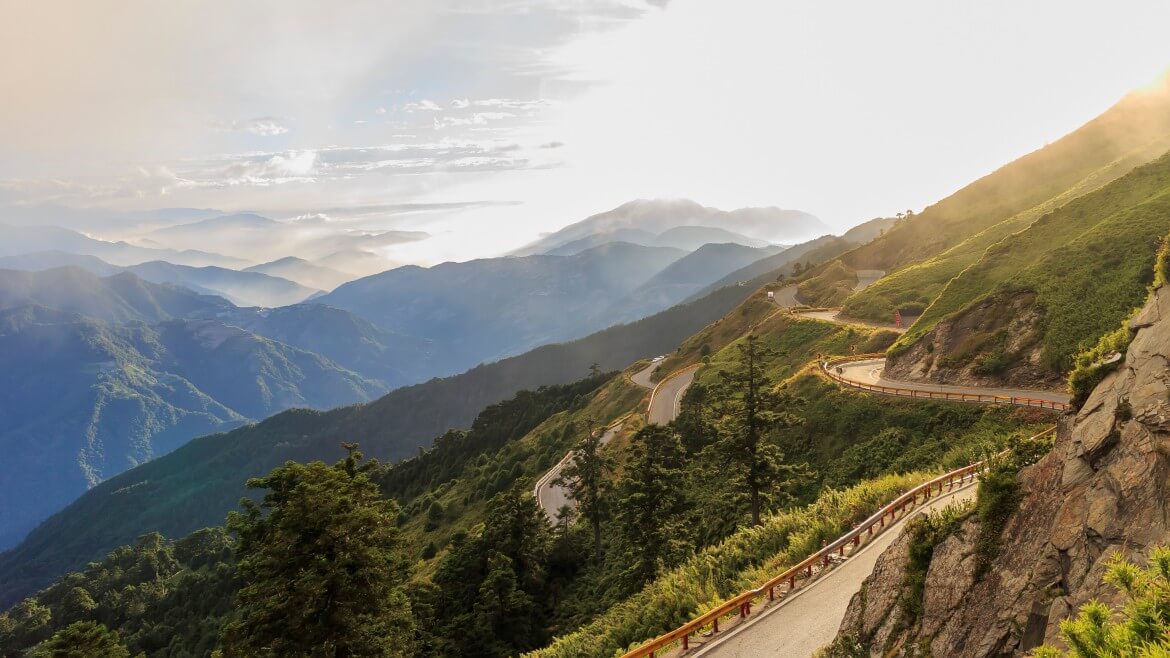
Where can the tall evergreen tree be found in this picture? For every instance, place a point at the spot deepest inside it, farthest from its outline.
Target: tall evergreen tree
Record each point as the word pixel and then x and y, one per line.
pixel 83 639
pixel 321 566
pixel 652 504
pixel 585 477
pixel 749 406
pixel 491 583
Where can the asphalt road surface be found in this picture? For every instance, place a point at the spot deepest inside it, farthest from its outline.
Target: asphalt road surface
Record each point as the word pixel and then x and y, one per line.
pixel 668 397
pixel 871 372
pixel 832 316
pixel 809 619
pixel 552 497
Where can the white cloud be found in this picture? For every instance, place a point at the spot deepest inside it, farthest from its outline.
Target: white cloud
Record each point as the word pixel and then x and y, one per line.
pixel 311 218
pixel 425 105
pixel 260 126
pixel 477 119
pixel 266 127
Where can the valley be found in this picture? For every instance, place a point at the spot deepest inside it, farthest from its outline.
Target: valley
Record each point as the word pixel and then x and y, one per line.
pixel 386 380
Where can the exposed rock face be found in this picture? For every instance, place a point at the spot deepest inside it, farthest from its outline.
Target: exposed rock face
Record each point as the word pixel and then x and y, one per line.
pixel 993 343
pixel 1104 488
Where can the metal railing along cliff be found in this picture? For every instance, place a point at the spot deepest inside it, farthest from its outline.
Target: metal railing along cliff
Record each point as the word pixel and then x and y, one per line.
pixel 802 573
pixel 829 368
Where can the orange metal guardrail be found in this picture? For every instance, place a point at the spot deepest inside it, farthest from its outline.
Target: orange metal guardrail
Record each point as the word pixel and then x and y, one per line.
pixel 828 368
pixel 801 574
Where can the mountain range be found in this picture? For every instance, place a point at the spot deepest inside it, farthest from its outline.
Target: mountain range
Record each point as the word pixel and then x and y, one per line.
pixel 680 221
pixel 243 288
pixel 175 359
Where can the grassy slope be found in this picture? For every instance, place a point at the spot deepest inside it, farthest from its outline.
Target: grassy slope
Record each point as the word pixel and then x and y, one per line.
pixel 913 288
pixel 526 459
pixel 718 334
pixel 1134 131
pixel 829 286
pixel 1088 261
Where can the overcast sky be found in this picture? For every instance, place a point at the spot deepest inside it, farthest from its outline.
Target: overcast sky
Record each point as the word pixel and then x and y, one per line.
pixel 488 122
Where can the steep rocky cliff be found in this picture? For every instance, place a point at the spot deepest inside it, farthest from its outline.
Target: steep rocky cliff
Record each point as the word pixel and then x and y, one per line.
pixel 1104 488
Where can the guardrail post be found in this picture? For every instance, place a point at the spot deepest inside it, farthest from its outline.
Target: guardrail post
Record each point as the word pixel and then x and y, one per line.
pixel 771 593
pixel 715 625
pixel 686 642
pixel 792 582
pixel 857 538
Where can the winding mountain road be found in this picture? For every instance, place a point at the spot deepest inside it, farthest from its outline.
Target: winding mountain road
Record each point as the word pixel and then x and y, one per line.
pixel 871 372
pixel 663 408
pixel 666 400
pixel 809 619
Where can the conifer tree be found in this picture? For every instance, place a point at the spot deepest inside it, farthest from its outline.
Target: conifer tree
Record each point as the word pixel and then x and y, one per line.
pixel 585 478
pixel 321 567
pixel 83 639
pixel 748 406
pixel 652 505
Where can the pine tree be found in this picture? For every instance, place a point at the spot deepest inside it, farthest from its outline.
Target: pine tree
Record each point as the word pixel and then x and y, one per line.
pixel 321 566
pixel 748 407
pixel 491 582
pixel 83 639
pixel 652 505
pixel 585 478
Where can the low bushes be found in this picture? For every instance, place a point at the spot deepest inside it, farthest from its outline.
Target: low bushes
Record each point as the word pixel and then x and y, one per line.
pixel 744 560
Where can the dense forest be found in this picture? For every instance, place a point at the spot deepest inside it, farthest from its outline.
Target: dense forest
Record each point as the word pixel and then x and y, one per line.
pixel 408 576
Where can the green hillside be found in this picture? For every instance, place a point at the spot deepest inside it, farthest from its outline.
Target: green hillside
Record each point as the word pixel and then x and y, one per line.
pixel 924 251
pixel 1136 129
pixel 1084 267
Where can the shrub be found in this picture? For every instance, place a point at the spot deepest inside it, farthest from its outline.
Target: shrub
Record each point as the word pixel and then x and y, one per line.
pixel 1091 367
pixel 1142 629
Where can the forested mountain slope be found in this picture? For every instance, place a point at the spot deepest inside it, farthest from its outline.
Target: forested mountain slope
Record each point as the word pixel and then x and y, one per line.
pixel 483 310
pixel 84 400
pixel 187 485
pixel 118 298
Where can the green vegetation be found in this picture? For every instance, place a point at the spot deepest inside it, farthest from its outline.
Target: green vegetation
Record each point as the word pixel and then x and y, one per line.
pixel 1088 263
pixel 1092 365
pixel 1138 629
pixel 164 598
pixel 83 639
pixel 585 478
pixel 717 335
pixel 746 406
pixel 320 566
pixel 742 561
pixel 652 503
pixel 830 286
pixel 998 496
pixel 912 289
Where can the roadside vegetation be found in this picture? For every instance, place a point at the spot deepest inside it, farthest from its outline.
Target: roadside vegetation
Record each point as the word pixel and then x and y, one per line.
pixel 1138 628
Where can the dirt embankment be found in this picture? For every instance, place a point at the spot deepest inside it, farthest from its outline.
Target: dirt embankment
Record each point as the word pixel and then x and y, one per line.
pixel 995 343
